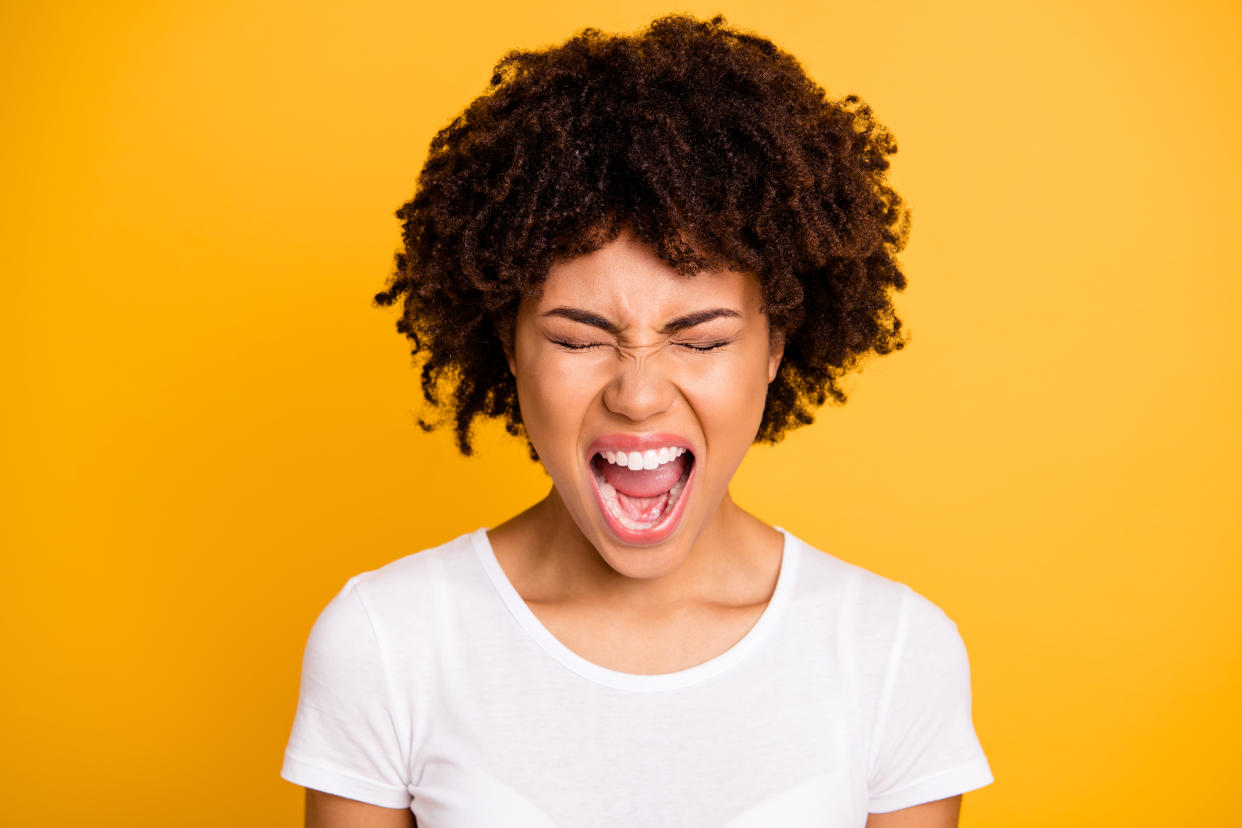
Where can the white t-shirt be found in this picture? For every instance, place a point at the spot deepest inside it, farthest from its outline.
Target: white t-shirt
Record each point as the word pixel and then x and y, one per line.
pixel 429 684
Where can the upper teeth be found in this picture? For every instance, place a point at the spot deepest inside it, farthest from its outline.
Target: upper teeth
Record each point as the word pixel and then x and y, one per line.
pixel 649 459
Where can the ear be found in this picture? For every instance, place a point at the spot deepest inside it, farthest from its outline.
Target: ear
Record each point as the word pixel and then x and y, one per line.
pixel 776 351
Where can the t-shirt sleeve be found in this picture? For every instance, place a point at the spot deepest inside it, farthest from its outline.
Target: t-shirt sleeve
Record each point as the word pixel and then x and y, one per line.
pixel 925 747
pixel 345 739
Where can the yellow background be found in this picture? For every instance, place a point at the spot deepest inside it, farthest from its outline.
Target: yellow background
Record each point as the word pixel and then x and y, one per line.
pixel 207 428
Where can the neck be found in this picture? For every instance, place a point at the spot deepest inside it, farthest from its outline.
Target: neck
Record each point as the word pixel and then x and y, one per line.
pixel 548 558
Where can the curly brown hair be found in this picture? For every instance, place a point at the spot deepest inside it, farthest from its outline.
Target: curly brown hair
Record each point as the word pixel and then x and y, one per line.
pixel 708 143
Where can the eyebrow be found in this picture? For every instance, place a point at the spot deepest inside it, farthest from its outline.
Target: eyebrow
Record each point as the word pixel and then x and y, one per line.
pixel 688 320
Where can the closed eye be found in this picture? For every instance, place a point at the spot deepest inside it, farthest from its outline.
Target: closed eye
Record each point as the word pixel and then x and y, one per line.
pixel 704 348
pixel 574 346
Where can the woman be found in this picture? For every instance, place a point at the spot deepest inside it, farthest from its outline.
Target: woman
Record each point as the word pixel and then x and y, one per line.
pixel 643 254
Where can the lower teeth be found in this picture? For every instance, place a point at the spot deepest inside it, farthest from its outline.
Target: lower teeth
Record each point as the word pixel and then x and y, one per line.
pixel 614 505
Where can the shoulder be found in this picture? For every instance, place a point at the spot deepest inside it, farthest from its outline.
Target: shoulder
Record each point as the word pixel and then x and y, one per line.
pixel 871 597
pixel 419 577
pixel 411 591
pixel 880 618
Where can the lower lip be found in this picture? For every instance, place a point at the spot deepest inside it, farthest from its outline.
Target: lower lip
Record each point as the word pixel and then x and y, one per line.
pixel 657 533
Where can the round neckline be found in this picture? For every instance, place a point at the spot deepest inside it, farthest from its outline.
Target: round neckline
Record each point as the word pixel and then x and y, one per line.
pixel 641 682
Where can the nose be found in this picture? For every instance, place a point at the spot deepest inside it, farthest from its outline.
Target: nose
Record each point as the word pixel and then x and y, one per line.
pixel 638 390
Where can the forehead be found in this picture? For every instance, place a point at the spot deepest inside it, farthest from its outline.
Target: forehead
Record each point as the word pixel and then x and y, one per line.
pixel 627 279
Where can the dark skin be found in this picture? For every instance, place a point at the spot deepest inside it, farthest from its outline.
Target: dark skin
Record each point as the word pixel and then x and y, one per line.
pixel 711 145
pixel 325 810
pixel 613 343
pixel 532 175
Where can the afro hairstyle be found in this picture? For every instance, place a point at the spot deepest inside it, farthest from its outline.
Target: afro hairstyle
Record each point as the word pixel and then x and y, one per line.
pixel 709 144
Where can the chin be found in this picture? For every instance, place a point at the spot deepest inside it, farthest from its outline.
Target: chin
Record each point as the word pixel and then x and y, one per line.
pixel 645 563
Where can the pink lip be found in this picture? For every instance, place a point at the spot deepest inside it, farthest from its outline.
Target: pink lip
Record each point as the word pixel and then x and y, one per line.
pixel 641 442
pixel 635 442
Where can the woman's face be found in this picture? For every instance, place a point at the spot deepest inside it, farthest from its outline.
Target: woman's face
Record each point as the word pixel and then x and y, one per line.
pixel 641 390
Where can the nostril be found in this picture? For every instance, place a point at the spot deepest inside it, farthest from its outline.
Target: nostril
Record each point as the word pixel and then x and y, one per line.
pixel 638 394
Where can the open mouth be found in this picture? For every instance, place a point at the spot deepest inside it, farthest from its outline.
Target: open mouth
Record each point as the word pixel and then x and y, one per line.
pixel 641 492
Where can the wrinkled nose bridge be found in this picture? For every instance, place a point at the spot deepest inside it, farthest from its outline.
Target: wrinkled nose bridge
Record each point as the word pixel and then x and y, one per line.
pixel 640 355
pixel 639 387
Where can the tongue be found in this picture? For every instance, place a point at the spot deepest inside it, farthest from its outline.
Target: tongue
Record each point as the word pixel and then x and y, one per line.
pixel 643 482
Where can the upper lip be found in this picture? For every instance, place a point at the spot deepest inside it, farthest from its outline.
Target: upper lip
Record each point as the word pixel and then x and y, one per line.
pixel 636 442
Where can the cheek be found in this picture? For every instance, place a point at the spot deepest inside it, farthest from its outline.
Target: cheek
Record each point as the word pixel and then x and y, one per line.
pixel 730 403
pixel 749 399
pixel 553 399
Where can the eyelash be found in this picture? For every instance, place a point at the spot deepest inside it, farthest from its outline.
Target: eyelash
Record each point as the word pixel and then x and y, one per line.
pixel 574 346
